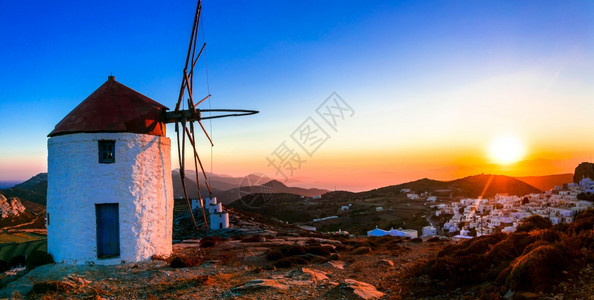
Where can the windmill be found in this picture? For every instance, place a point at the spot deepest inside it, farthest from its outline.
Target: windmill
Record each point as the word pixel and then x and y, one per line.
pixel 184 119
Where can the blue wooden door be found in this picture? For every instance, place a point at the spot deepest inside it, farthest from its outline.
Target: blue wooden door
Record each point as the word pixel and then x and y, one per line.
pixel 108 230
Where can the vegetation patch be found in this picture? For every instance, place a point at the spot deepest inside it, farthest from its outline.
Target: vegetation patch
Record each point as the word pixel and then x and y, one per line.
pixel 53 286
pixel 290 262
pixel 211 241
pixel 38 258
pixel 529 260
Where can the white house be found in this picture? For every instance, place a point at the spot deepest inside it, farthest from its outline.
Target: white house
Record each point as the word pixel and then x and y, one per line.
pixel 429 231
pixel 431 198
pixel 464 232
pixel 413 233
pixel 219 220
pixel 109 195
pixel 377 232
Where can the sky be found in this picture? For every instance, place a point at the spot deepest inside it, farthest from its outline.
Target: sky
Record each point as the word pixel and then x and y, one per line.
pixel 352 95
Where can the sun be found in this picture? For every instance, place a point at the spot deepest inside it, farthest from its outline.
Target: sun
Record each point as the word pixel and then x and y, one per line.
pixel 506 149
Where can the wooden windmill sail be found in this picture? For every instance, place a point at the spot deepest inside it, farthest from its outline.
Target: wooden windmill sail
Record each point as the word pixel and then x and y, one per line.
pixel 184 119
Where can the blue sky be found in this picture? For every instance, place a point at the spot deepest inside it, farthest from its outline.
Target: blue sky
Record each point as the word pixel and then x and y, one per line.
pixel 420 75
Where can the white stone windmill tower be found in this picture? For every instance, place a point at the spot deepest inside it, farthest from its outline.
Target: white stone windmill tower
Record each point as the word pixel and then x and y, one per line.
pixel 110 192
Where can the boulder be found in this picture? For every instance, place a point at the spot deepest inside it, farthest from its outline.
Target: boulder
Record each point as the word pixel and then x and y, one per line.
pixel 260 284
pixel 336 264
pixel 310 274
pixel 353 289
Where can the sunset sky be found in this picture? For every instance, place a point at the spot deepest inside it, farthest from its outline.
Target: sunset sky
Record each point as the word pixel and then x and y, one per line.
pixel 428 85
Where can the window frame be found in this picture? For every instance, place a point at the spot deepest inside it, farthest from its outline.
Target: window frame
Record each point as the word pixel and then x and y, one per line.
pixel 101 144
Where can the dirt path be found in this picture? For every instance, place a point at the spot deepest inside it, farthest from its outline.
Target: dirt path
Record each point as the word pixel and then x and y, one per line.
pixel 21 225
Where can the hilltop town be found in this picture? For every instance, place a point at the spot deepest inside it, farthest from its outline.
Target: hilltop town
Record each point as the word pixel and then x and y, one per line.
pixel 503 213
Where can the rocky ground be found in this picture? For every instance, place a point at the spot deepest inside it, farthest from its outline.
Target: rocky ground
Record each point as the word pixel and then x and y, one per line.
pixel 230 269
pixel 264 259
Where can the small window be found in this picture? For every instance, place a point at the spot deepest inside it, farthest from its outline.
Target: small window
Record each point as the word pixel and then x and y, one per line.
pixel 106 152
pixel 48 219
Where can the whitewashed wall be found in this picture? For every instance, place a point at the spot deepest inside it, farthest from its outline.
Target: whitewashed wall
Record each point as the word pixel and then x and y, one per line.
pixel 219 220
pixel 139 180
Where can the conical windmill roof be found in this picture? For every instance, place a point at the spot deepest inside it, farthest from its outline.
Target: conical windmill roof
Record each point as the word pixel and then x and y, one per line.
pixel 114 107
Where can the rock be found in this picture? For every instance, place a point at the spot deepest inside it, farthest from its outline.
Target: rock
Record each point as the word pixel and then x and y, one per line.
pixel 386 262
pixel 336 264
pixel 10 207
pixel 314 275
pixel 584 169
pixel 362 250
pixel 260 284
pixel 526 295
pixel 353 289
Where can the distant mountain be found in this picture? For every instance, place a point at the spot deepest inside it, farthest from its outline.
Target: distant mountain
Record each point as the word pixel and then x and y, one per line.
pixel 471 186
pixel 272 186
pixel 32 193
pixel 8 184
pixel 279 187
pixel 584 169
pixel 228 189
pixel 547 182
pixel 220 182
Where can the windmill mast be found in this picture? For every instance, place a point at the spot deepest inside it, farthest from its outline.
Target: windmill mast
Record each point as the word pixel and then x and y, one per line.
pixel 184 118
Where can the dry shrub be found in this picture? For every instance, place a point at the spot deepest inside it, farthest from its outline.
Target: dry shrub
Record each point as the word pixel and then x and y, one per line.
pixel 533 246
pixel 211 241
pixel 285 251
pixel 334 256
pixel 312 242
pixel 292 250
pixel 469 269
pixel 290 262
pixel 586 239
pixel 434 240
pixel 382 243
pixel 325 251
pixel 584 221
pixel 252 239
pixel 178 262
pixel 17 261
pixel 534 222
pixel 274 254
pixel 340 248
pixel 537 270
pixel 38 258
pixel 547 235
pixel 510 248
pixel 416 240
pixel 369 242
pixel 3 266
pixel 362 250
pixel 383 240
pixel 478 245
pixel 53 286
pixel 184 261
pixel 573 244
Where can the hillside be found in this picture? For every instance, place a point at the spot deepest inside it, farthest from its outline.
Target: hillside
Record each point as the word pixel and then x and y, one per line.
pixel 471 186
pixel 384 207
pixel 33 190
pixel 547 182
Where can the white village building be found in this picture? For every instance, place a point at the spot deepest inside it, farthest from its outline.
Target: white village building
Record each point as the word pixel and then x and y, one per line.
pixel 110 195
